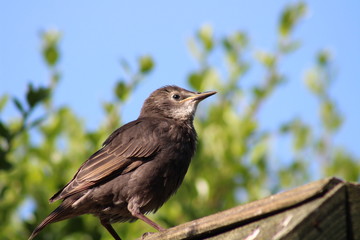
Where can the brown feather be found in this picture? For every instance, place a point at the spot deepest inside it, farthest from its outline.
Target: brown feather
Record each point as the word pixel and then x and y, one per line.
pixel 115 158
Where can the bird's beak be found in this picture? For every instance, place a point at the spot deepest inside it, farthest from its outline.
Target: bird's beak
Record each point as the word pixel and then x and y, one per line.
pixel 199 96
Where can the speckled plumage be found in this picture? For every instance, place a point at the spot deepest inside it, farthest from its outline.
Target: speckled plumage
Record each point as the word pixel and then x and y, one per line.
pixel 139 167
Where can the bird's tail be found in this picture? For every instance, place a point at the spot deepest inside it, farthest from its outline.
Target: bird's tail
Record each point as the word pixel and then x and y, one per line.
pixel 60 213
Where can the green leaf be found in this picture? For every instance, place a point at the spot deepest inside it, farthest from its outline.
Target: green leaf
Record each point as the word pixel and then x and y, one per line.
pixel 122 91
pixel 205 78
pixel 205 35
pixel 241 39
pixel 236 42
pixel 146 64
pixel 267 59
pixel 50 47
pixel 313 83
pixel 323 57
pixel 227 44
pixel 19 106
pixel 36 95
pixel 4 162
pixel 259 151
pixel 37 121
pixel 344 165
pixel 290 16
pixel 4 131
pixel 301 137
pixel 330 117
pixel 51 55
pixel 196 80
pixel 3 101
pixel 285 128
pixel 301 133
pixel 259 92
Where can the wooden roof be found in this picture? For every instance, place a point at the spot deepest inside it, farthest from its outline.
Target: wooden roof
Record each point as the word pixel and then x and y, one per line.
pixel 326 209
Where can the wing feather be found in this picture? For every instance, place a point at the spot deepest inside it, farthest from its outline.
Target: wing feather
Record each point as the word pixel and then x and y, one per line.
pixel 125 150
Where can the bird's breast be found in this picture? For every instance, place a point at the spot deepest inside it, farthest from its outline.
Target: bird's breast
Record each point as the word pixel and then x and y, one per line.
pixel 158 179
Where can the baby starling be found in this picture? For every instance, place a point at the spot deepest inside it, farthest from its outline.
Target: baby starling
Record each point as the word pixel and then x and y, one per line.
pixel 139 167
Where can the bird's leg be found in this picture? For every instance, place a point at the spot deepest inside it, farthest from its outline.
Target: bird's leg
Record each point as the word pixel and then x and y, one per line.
pixel 110 229
pixel 135 211
pixel 148 221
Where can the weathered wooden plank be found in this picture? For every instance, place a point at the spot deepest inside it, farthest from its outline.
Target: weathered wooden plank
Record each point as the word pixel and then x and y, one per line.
pixel 325 219
pixel 299 222
pixel 247 213
pixel 353 194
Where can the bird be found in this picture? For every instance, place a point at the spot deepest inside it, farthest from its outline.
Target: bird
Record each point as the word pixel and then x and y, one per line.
pixel 139 166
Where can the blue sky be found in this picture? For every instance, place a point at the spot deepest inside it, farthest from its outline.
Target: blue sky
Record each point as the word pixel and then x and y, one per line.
pixel 96 36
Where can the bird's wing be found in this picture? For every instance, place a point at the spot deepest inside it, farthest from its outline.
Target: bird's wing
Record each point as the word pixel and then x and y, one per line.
pixel 125 150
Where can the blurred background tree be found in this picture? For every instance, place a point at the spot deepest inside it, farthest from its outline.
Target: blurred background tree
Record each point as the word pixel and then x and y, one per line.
pixel 237 159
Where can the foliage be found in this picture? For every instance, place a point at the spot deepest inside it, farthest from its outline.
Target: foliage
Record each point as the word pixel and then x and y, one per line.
pixel 235 161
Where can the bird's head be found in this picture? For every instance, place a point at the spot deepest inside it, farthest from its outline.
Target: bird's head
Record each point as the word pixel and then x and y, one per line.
pixel 173 102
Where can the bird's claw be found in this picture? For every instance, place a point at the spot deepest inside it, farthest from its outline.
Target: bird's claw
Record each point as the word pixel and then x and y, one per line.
pixel 146 234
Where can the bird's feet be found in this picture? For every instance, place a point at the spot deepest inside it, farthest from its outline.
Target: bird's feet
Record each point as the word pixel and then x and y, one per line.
pixel 146 234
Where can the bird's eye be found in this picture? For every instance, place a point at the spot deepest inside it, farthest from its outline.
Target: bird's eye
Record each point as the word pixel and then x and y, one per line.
pixel 176 96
